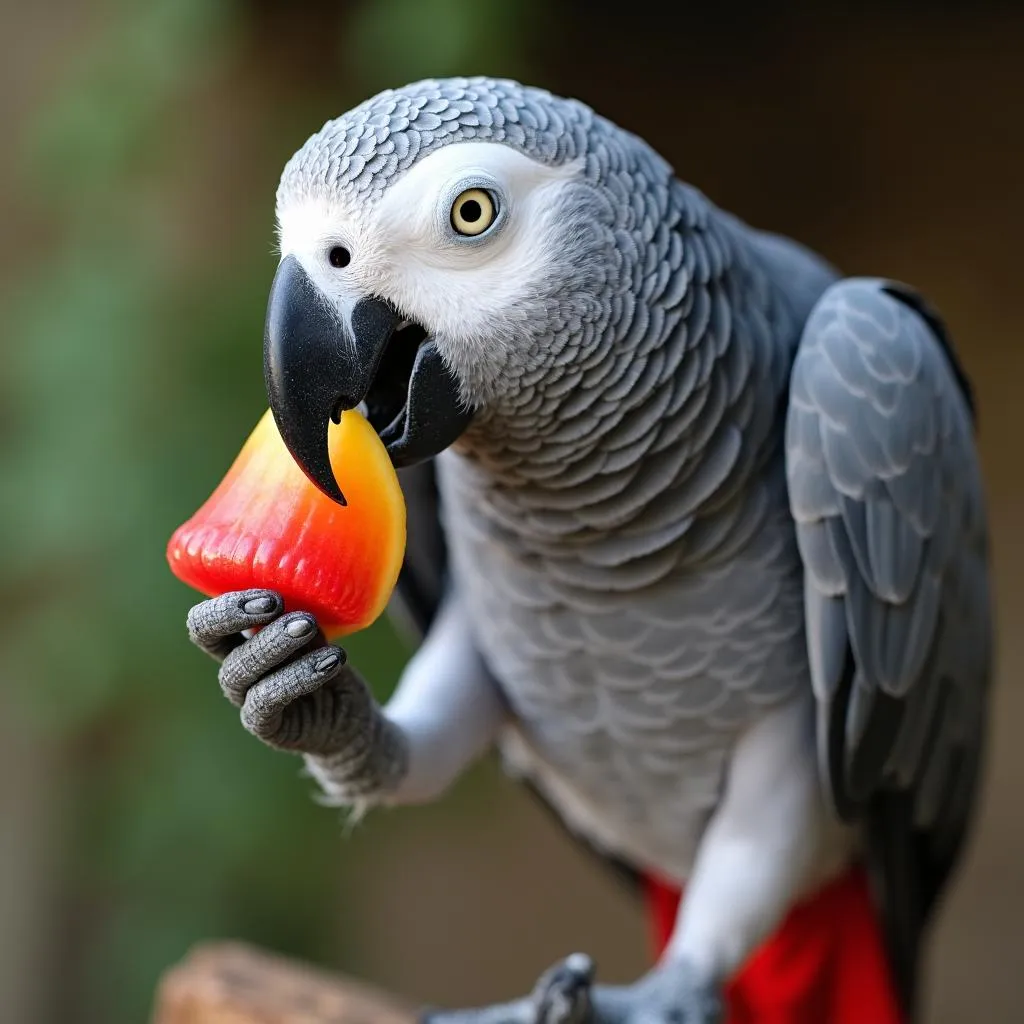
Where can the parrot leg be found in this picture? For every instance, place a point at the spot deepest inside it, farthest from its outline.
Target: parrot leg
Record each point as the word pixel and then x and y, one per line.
pixel 769 841
pixel 296 693
pixel 446 709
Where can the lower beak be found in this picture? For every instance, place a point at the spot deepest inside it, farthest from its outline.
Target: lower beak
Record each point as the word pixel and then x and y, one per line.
pixel 315 367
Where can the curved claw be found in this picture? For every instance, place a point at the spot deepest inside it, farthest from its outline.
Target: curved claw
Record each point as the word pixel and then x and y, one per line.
pixel 673 993
pixel 562 995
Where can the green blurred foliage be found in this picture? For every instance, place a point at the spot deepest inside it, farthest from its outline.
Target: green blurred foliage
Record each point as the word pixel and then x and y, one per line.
pixel 136 376
pixel 432 38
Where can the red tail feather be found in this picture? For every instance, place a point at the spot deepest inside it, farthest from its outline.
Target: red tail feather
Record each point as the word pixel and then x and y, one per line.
pixel 826 962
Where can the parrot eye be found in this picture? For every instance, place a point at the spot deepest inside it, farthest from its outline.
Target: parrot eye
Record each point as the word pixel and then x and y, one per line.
pixel 473 212
pixel 339 257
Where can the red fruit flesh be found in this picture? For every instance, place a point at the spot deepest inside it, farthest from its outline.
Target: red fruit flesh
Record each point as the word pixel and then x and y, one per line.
pixel 267 526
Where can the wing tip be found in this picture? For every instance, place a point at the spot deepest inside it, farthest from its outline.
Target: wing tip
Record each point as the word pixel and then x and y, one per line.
pixel 916 301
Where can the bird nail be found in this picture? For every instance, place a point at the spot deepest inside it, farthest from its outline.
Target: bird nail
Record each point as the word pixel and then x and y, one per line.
pixel 299 627
pixel 259 606
pixel 325 664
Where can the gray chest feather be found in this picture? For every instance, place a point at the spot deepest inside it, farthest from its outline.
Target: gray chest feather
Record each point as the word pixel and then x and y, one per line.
pixel 630 696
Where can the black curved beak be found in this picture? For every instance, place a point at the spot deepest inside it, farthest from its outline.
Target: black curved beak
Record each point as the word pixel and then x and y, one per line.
pixel 315 366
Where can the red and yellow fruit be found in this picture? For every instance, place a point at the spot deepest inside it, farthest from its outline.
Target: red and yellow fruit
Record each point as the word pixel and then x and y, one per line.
pixel 267 526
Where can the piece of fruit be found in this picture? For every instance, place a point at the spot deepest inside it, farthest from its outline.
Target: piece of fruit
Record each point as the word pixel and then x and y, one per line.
pixel 266 525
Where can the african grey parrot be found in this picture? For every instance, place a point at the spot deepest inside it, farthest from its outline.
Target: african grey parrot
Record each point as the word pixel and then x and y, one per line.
pixel 697 534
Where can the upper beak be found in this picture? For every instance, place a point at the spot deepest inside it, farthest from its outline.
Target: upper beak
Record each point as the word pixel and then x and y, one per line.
pixel 315 366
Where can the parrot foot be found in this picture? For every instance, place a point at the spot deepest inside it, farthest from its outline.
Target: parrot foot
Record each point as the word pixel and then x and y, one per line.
pixel 297 693
pixel 674 993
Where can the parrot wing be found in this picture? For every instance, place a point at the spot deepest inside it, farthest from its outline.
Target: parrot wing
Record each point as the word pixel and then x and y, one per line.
pixel 885 487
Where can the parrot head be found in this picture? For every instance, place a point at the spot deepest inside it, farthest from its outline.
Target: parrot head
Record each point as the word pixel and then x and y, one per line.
pixel 447 249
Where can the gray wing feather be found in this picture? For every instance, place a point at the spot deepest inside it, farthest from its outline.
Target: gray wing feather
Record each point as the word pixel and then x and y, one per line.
pixel 886 491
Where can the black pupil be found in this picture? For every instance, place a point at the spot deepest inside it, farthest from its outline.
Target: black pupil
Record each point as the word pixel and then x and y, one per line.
pixel 340 256
pixel 471 211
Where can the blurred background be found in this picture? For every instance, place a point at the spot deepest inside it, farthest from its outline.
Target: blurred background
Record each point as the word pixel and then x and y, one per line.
pixel 142 142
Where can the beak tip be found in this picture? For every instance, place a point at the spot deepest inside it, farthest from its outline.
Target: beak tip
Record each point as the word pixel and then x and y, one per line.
pixel 307 444
pixel 326 484
pixel 321 475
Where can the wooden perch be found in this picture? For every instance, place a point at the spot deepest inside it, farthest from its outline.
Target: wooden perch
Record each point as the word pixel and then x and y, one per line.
pixel 231 983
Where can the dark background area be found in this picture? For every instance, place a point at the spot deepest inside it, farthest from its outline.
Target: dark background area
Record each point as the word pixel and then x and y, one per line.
pixel 142 146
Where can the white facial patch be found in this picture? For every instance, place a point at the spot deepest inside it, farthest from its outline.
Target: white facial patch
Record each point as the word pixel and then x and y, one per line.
pixel 464 290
